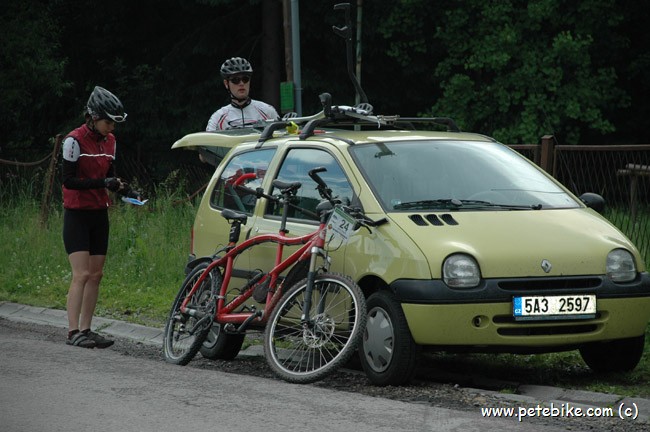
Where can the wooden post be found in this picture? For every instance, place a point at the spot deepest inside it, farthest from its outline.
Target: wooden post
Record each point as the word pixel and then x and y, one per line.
pixel 546 157
pixel 48 183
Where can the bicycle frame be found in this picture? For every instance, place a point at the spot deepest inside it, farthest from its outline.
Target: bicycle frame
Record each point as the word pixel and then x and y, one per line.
pixel 313 246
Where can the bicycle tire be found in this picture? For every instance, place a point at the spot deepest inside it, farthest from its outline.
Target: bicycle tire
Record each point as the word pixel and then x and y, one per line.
pixel 303 355
pixel 181 340
pixel 219 345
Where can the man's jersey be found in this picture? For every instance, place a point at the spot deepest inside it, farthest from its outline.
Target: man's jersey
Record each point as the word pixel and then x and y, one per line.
pixel 233 116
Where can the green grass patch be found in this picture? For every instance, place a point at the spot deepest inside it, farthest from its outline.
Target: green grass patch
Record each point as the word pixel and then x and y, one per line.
pixel 148 249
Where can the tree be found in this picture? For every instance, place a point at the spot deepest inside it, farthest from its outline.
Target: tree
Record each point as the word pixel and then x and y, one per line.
pixel 519 71
pixel 32 80
pixel 514 71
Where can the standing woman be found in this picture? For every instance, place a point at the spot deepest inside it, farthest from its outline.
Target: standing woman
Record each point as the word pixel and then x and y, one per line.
pixel 88 154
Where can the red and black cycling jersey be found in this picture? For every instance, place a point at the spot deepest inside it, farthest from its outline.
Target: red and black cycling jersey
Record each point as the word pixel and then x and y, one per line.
pixel 87 160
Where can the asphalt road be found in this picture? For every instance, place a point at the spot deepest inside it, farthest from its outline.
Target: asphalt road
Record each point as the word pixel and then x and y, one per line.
pixel 48 386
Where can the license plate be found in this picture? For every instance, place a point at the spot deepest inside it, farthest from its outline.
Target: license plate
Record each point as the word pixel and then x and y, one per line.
pixel 554 307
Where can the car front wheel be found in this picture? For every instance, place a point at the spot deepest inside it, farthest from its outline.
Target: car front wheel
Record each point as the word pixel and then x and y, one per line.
pixel 614 356
pixel 388 353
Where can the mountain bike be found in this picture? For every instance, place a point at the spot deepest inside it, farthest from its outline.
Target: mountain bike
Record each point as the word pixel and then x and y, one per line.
pixel 310 327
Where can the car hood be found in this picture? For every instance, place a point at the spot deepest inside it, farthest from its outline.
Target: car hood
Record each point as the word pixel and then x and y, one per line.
pixel 514 243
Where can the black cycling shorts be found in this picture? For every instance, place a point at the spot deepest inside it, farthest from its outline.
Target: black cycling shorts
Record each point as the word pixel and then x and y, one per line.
pixel 85 230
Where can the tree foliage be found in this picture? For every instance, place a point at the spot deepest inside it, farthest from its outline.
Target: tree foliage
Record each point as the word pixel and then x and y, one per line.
pixel 32 78
pixel 519 71
pixel 509 69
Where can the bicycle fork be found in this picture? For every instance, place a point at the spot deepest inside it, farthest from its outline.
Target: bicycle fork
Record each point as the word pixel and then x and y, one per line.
pixel 311 276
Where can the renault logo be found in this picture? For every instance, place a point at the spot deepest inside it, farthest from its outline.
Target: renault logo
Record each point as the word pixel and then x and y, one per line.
pixel 546 266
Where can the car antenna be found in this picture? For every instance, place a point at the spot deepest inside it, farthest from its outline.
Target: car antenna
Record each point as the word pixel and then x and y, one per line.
pixel 346 33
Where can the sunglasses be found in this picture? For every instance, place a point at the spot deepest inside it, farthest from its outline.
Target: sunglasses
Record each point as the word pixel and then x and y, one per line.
pixel 237 80
pixel 117 118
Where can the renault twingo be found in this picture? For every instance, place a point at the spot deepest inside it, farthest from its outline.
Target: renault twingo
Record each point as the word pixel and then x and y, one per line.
pixel 479 249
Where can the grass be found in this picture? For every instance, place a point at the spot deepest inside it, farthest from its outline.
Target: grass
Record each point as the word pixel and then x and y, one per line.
pixel 144 269
pixel 148 249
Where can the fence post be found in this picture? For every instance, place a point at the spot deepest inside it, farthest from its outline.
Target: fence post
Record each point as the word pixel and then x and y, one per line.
pixel 48 184
pixel 546 157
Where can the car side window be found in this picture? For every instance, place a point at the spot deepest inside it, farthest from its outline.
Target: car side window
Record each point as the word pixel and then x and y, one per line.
pixel 225 195
pixel 295 168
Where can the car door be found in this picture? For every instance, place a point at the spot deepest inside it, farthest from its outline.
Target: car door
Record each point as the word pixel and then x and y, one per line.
pixel 211 230
pixel 295 165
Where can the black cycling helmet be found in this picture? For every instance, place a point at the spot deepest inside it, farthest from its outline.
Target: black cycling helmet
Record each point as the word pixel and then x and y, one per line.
pixel 103 104
pixel 235 65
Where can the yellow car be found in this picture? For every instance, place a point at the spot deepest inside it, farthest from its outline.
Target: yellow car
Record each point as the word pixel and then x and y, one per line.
pixel 481 250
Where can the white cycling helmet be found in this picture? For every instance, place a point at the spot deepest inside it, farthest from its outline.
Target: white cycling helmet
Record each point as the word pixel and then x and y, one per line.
pixel 235 65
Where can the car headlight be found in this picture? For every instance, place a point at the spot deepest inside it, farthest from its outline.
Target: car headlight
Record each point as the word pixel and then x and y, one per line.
pixel 620 266
pixel 461 271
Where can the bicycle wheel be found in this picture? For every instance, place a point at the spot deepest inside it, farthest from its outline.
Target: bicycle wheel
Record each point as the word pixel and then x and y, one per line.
pixel 184 334
pixel 306 352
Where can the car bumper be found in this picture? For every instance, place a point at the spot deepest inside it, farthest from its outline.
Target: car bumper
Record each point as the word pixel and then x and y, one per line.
pixel 450 319
pixel 503 290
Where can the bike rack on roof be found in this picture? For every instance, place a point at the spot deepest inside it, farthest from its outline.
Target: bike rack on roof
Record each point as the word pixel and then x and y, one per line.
pixel 349 116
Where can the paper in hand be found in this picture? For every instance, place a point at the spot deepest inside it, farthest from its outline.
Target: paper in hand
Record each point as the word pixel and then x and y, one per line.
pixel 134 201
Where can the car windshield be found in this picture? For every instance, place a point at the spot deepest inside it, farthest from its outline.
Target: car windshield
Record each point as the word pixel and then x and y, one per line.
pixel 460 175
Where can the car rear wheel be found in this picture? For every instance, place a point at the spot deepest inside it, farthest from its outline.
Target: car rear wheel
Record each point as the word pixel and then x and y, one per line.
pixel 388 353
pixel 614 356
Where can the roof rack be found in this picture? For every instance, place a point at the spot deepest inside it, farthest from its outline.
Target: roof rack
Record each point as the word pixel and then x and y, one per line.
pixel 351 116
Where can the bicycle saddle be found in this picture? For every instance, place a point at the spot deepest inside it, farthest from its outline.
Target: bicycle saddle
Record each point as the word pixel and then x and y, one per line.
pixel 233 215
pixel 286 187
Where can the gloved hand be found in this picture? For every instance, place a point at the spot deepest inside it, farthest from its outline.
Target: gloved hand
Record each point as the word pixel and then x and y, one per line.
pixel 133 194
pixel 113 184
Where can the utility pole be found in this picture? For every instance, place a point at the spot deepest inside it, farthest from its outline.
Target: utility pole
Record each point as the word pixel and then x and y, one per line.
pixel 295 44
pixel 358 59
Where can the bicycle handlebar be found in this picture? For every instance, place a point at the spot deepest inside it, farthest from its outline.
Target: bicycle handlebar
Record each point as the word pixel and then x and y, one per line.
pixel 362 219
pixel 241 178
pixel 324 191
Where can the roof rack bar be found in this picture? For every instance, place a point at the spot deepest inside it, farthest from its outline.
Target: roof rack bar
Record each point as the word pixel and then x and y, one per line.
pixel 268 131
pixel 309 128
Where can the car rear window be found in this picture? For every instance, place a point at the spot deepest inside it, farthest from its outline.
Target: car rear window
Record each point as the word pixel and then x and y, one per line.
pixel 225 195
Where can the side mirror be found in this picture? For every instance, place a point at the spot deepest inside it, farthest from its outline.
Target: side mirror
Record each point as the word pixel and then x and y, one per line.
pixel 593 201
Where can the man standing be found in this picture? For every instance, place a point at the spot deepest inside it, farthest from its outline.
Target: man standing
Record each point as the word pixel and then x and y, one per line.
pixel 242 110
